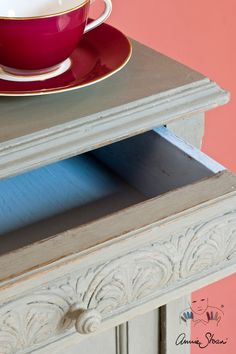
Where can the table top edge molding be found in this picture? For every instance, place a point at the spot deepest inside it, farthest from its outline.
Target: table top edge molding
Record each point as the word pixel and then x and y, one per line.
pixel 90 132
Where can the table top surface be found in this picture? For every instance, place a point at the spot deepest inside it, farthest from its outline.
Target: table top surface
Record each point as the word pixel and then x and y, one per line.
pixel 147 73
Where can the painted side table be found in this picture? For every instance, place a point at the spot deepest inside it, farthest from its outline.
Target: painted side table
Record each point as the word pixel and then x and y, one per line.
pixel 110 215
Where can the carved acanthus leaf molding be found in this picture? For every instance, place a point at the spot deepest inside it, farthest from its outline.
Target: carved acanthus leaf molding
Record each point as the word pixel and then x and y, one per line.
pixel 112 286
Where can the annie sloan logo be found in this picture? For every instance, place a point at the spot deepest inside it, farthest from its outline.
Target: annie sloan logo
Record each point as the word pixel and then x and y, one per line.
pixel 206 317
pixel 208 338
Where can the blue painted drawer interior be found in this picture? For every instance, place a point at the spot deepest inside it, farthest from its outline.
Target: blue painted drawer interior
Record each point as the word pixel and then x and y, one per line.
pixel 54 189
pixel 92 185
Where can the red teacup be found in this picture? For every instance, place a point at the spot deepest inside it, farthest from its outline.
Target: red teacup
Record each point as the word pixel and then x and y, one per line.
pixel 37 36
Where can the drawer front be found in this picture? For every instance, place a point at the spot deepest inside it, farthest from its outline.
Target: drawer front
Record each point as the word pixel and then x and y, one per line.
pixel 115 290
pixel 165 247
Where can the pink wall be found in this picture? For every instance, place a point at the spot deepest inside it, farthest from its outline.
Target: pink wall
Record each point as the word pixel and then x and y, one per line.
pixel 200 34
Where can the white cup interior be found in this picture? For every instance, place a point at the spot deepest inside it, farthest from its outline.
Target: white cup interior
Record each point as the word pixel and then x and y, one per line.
pixel 35 8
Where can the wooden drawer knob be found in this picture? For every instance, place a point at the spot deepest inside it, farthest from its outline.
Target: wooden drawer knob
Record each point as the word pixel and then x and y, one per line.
pixel 86 320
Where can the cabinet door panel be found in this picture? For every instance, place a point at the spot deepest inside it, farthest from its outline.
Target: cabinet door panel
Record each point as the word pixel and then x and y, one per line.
pixel 143 334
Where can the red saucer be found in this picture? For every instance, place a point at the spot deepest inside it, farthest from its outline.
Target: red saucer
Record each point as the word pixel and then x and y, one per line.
pixel 101 53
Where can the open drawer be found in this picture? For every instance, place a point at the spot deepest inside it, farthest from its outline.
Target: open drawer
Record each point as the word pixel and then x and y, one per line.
pixel 123 226
pixel 103 195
